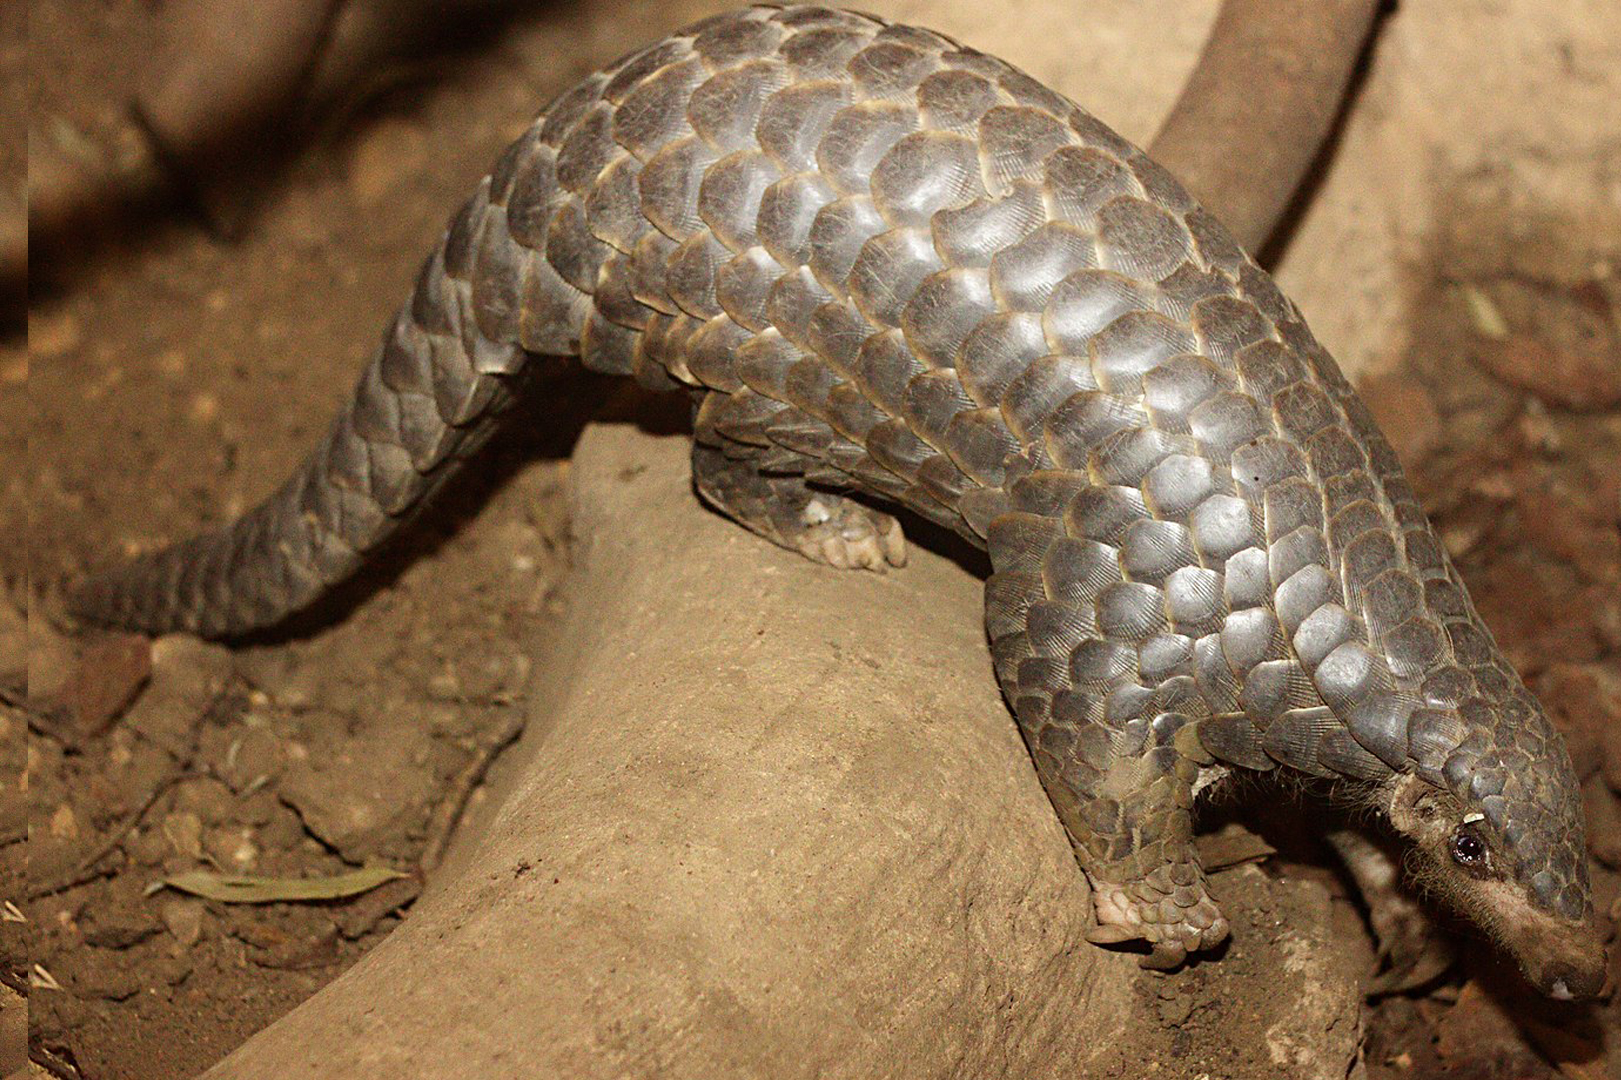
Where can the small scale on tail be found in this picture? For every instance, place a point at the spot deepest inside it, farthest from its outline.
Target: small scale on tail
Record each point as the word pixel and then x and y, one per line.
pixel 881 262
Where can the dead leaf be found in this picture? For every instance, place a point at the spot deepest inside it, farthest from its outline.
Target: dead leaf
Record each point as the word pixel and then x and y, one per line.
pixel 249 889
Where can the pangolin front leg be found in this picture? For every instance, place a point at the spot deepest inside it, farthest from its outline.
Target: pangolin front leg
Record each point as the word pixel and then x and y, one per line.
pixel 1112 739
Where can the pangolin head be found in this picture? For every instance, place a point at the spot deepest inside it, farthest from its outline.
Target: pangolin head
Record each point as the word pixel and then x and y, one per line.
pixel 1493 807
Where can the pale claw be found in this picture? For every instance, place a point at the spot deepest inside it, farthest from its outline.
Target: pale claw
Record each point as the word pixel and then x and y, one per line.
pixel 1166 956
pixel 848 536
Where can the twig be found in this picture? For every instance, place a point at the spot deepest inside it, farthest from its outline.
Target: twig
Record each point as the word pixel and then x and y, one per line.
pixel 1264 96
pixel 54 1064
pixel 450 811
pixel 80 874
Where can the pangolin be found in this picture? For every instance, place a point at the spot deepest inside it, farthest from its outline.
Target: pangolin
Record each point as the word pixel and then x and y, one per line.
pixel 882 264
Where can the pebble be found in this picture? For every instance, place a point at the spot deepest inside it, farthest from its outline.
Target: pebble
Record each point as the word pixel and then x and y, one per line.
pixel 209 799
pixel 118 929
pixel 51 660
pixel 204 409
pixel 183 917
pixel 109 980
pixel 282 676
pixel 258 807
pixel 184 831
pixel 253 758
pixel 283 832
pixel 187 676
pixel 359 796
pixel 148 847
pixel 231 848
pixel 64 823
pixel 146 767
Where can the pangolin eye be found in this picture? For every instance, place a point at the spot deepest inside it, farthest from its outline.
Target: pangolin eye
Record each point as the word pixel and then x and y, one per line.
pixel 1468 849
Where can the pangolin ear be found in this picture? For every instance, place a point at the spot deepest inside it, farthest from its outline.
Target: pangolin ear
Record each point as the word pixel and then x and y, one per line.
pixel 1406 804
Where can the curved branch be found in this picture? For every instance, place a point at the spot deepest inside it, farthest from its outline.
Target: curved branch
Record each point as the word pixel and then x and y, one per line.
pixel 1260 104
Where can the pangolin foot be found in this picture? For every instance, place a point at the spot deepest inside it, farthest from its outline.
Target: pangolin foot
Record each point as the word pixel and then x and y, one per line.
pixel 1185 920
pixel 845 534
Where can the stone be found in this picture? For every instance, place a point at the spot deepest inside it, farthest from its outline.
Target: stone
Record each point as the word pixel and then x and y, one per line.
pixel 360 797
pixel 768 821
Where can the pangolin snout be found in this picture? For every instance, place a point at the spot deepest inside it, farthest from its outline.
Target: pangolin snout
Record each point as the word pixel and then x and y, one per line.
pixel 1573 978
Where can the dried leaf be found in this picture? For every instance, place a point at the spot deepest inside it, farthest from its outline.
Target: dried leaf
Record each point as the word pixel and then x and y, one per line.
pixel 248 889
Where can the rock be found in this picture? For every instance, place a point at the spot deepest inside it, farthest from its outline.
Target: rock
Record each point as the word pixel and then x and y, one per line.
pixel 231 848
pixel 184 831
pixel 1577 527
pixel 183 917
pixel 297 937
pixel 119 929
pixel 148 847
pixel 104 974
pixel 64 823
pixel 259 807
pixel 187 676
pixel 140 770
pixel 51 661
pixel 1584 702
pixel 768 821
pixel 209 799
pixel 110 672
pixel 281 674
pixel 364 913
pixel 1564 349
pixel 1477 1036
pixel 283 831
pixel 189 663
pixel 1603 823
pixel 1561 375
pixel 360 796
pixel 253 757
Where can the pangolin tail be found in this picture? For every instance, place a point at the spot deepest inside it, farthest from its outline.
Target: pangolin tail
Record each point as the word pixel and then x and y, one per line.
pixel 432 393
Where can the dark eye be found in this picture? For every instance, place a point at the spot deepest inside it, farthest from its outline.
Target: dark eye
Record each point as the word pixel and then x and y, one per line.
pixel 1468 849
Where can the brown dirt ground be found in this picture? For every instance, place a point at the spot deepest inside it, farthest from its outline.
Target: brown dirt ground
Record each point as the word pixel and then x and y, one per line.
pixel 175 377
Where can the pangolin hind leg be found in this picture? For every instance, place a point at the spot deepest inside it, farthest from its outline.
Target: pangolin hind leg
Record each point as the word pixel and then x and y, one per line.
pixel 1411 944
pixel 822 526
pixel 1116 757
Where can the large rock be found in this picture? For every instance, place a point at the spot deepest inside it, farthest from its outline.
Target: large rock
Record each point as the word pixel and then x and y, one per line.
pixel 776 821
pixel 773 819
